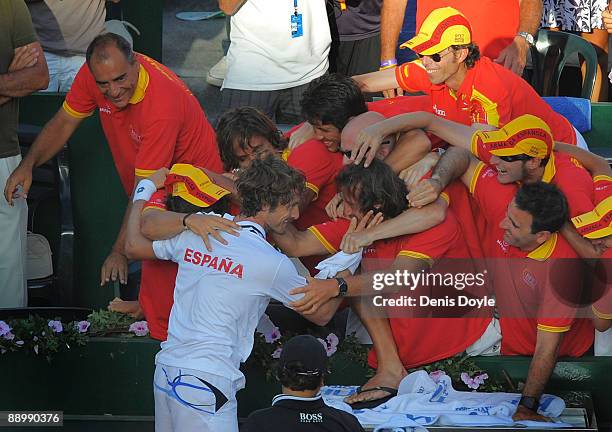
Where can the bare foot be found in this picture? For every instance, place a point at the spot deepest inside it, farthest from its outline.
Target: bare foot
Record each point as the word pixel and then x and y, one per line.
pixel 383 378
pixel 131 308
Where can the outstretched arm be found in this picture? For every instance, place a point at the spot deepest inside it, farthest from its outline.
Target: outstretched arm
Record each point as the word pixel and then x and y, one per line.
pixel 540 369
pixel 595 164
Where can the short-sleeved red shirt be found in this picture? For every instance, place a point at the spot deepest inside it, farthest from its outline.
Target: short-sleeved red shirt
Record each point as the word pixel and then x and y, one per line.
pixel 391 107
pixel 534 290
pixel 163 123
pixel 603 306
pixel 436 338
pixel 489 94
pixel 330 233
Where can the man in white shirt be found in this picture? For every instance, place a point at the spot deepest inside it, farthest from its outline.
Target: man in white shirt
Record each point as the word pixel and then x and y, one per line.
pixel 220 295
pixel 277 48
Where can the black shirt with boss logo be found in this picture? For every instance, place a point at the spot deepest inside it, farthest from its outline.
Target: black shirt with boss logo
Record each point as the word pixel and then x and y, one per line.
pixel 295 414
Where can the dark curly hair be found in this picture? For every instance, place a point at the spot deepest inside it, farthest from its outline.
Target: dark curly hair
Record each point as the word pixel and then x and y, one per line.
pixel 473 54
pixel 290 376
pixel 332 99
pixel 375 188
pixel 268 183
pixel 240 125
pixel 545 203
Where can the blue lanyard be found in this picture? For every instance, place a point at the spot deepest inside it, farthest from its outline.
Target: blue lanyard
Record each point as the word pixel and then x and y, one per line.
pixel 295 6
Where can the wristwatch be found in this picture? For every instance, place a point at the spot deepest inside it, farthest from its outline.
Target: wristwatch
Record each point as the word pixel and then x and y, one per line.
pixel 342 287
pixel 530 402
pixel 528 37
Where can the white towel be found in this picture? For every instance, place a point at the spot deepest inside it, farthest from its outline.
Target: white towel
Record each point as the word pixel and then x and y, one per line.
pixel 428 402
pixel 329 267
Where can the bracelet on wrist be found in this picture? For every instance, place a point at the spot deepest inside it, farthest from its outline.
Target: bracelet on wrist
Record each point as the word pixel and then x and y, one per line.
pixel 386 64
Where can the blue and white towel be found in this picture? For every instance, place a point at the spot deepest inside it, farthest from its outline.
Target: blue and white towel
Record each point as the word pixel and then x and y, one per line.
pixel 422 401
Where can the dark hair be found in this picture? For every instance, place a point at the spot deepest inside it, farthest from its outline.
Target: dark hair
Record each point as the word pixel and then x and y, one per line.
pixel 179 205
pixel 290 377
pixel 268 183
pixel 241 125
pixel 101 42
pixel 332 99
pixel 545 203
pixel 375 188
pixel 473 54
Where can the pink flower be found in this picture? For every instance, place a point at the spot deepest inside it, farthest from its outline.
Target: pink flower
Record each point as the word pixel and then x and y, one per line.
pixel 469 381
pixel 82 326
pixel 330 344
pixel 277 353
pixel 139 328
pixel 4 328
pixel 56 326
pixel 436 375
pixel 273 335
pixel 480 379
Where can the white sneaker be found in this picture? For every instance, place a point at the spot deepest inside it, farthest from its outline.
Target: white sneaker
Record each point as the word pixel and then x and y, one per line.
pixel 216 74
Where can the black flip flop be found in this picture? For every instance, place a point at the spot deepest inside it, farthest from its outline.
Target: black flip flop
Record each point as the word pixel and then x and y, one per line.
pixel 374 402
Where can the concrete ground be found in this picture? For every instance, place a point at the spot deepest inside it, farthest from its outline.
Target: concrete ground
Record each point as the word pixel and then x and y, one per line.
pixel 191 48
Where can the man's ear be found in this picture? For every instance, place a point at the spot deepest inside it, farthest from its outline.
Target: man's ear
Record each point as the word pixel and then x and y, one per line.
pixel 542 236
pixel 461 54
pixel 533 163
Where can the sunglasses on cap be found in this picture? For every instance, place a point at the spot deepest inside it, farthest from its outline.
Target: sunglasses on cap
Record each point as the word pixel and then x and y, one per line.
pixel 437 57
pixel 514 158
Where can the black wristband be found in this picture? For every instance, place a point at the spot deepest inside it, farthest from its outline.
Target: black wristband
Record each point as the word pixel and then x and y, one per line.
pixel 185 220
pixel 530 402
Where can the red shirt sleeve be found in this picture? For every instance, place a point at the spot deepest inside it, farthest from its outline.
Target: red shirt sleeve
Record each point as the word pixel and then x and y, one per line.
pixel 412 77
pixel 157 201
pixel 330 233
pixel 80 101
pixel 431 244
pixel 576 184
pixel 603 188
pixel 314 160
pixel 492 196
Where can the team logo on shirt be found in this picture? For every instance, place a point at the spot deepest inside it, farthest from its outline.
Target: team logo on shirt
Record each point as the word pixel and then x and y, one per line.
pixel 105 109
pixel 135 135
pixel 438 111
pixel 529 279
pixel 225 265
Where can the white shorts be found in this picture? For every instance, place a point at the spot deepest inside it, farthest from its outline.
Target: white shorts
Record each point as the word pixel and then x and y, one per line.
pixel 190 400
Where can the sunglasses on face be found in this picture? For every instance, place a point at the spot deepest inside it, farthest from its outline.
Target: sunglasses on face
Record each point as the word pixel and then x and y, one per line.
pixel 520 157
pixel 437 57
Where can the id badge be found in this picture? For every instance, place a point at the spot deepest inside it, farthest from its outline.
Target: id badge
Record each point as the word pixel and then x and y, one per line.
pixel 296 26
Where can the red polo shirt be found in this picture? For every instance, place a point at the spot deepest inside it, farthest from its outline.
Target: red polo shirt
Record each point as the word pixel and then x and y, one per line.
pixel 534 290
pixel 603 306
pixel 162 124
pixel 489 94
pixel 436 337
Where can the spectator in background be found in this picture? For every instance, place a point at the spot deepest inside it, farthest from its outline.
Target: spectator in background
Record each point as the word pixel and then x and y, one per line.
pixel 65 29
pixel 23 70
pixel 585 18
pixel 276 49
pixel 300 408
pixel 505 40
pixel 355 36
